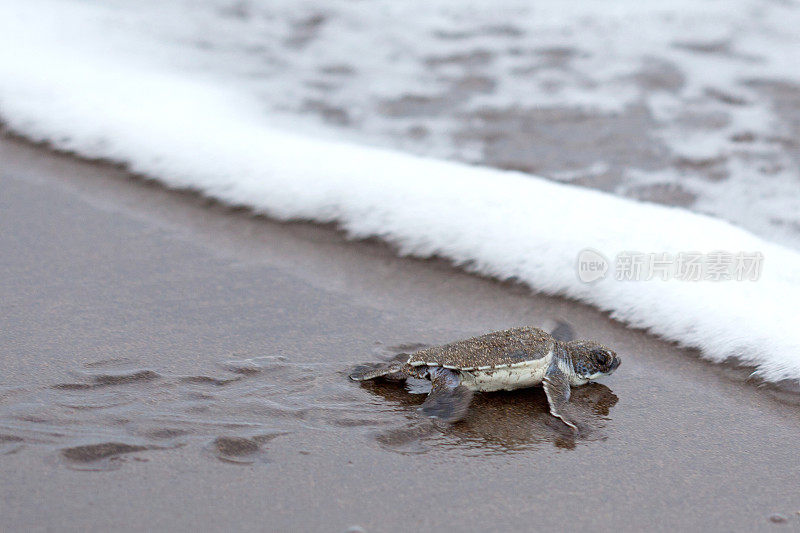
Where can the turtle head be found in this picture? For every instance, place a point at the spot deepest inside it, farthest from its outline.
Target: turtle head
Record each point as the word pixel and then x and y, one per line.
pixel 591 360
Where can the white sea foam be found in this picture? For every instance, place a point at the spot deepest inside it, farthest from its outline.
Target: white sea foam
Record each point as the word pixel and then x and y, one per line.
pixel 709 84
pixel 57 83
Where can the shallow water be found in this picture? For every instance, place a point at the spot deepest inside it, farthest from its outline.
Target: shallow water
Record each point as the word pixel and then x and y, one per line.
pixel 113 412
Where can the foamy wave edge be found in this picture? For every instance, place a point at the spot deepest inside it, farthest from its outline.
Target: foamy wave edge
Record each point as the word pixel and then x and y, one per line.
pixel 508 225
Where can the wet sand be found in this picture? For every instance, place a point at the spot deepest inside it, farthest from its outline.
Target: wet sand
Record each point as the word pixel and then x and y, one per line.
pixel 171 363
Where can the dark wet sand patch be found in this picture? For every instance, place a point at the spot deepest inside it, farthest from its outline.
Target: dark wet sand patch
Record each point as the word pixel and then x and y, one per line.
pixel 10 444
pixel 235 449
pixel 110 380
pixel 94 452
pixel 167 433
pixel 121 379
pixel 101 457
pixel 241 450
pixel 257 365
pixel 208 380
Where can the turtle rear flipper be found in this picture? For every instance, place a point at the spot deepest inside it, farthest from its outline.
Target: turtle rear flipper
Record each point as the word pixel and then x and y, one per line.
pixel 448 399
pixel 560 330
pixel 393 371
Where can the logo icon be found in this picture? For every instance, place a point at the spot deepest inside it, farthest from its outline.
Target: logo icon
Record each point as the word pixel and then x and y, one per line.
pixel 592 265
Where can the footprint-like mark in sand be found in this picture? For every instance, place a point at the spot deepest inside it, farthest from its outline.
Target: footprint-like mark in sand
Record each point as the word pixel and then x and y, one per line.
pixel 10 444
pixel 101 456
pixel 241 450
pixel 96 381
pixel 112 413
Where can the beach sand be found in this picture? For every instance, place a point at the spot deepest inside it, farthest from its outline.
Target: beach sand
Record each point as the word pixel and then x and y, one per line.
pixel 170 363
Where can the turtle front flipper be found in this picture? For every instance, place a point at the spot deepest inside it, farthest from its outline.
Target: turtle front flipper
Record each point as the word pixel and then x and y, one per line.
pixel 448 399
pixel 556 387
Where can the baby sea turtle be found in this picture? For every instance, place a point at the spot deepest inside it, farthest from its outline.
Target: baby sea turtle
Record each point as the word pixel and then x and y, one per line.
pixel 502 360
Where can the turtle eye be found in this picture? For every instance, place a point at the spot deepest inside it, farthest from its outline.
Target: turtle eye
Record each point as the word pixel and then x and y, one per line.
pixel 600 357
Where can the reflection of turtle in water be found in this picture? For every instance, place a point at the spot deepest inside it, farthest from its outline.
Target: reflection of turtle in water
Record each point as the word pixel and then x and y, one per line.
pixel 500 422
pixel 503 360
